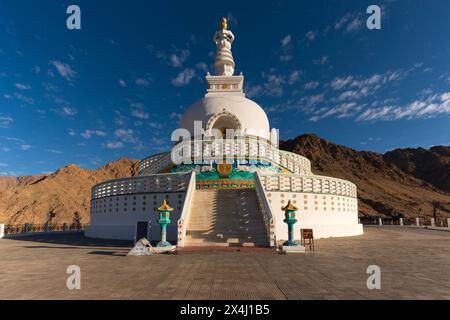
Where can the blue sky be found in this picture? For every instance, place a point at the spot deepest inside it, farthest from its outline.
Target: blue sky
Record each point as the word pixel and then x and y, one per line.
pixel 118 86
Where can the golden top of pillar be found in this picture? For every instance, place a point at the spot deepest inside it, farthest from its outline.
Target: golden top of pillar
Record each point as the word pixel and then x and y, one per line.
pixel 165 207
pixel 289 207
pixel 224 24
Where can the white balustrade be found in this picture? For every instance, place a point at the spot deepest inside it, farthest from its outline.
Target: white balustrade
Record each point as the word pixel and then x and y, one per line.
pixel 308 183
pixel 174 182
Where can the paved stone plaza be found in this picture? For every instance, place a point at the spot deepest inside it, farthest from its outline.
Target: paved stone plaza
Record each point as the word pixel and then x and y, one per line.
pixel 415 264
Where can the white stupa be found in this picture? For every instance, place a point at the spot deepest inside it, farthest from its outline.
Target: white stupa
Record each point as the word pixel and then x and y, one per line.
pixel 225 191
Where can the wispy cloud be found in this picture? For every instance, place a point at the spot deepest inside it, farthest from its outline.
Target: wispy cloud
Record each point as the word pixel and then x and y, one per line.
pixel 87 134
pixel 184 77
pixel 114 145
pixel 64 70
pixel 22 86
pixel 286 40
pixel 142 82
pixel 23 98
pixel 122 83
pixel 5 121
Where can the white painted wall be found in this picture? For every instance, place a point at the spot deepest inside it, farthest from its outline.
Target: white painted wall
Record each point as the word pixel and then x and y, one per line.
pixel 328 215
pixel 112 219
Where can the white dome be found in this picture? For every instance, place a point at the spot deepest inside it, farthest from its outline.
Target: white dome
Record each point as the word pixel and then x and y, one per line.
pixel 231 111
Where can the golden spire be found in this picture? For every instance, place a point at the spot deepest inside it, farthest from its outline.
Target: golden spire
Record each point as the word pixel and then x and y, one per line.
pixel 289 207
pixel 224 24
pixel 165 207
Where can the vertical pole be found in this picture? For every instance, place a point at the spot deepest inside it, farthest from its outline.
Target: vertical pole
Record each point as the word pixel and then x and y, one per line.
pixel 380 222
pixel 448 223
pixel 418 222
pixel 433 222
pixel 163 233
pixel 291 232
pixel 401 221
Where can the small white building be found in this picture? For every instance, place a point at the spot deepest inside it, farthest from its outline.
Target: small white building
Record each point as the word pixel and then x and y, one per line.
pixel 225 189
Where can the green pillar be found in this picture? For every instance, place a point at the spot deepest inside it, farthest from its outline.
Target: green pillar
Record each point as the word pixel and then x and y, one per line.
pixel 164 219
pixel 289 215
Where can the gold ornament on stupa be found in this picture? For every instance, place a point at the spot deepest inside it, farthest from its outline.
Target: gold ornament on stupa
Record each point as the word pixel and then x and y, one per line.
pixel 165 207
pixel 224 24
pixel 289 207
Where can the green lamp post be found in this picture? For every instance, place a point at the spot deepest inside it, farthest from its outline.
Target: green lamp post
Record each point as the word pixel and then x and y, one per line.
pixel 164 219
pixel 289 215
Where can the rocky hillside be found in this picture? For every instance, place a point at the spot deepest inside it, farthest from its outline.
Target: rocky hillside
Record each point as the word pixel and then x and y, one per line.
pixel 56 196
pixel 400 182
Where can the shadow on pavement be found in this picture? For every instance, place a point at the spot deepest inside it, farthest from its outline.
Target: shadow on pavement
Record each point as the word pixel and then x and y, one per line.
pixel 71 239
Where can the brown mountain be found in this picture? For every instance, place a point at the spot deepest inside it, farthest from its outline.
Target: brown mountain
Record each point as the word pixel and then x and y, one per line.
pixel 402 182
pixel 432 165
pixel 59 195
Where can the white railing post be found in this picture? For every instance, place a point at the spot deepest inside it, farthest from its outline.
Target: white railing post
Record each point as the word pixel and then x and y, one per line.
pixel 448 223
pixel 269 220
pixel 380 222
pixel 418 222
pixel 433 222
pixel 401 221
pixel 184 217
pixel 2 230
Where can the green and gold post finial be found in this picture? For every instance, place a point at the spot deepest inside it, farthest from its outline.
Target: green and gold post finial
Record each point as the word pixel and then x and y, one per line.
pixel 224 23
pixel 165 207
pixel 289 207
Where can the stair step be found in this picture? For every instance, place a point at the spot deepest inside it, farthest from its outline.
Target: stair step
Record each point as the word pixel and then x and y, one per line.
pixel 225 217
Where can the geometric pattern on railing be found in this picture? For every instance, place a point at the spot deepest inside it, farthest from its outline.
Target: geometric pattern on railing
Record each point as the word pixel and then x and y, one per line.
pixel 250 148
pixel 174 182
pixel 310 183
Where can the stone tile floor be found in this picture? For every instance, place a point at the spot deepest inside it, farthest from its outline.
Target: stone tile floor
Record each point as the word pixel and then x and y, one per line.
pixel 415 264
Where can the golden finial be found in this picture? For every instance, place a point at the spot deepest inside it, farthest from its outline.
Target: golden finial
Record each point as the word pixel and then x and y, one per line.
pixel 224 24
pixel 289 207
pixel 165 207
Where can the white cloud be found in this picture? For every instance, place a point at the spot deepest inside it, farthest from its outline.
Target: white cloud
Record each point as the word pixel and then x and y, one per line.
pixel 294 77
pixel 350 22
pixel 22 86
pixel 142 82
pixel 286 40
pixel 68 111
pixel 25 147
pixel 54 151
pixel 114 145
pixel 286 57
pixel 126 135
pixel 87 134
pixel 311 85
pixel 24 98
pixel 5 121
pixel 311 35
pixel 122 83
pixel 64 70
pixel 178 58
pixel 71 132
pixel 140 114
pixel 430 107
pixel 184 77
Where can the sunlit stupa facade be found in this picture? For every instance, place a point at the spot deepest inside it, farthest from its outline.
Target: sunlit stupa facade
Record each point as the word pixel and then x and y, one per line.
pixel 225 178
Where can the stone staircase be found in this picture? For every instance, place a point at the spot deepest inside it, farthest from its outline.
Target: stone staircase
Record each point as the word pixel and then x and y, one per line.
pixel 225 218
